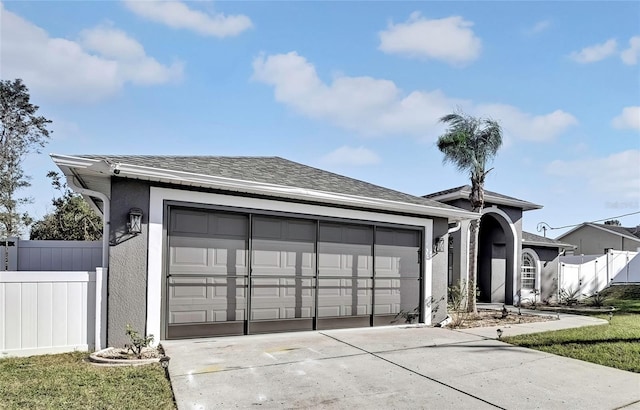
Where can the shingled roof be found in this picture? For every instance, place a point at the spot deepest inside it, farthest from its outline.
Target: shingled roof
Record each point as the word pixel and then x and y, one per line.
pixel 529 238
pixel 463 191
pixel 631 233
pixel 270 170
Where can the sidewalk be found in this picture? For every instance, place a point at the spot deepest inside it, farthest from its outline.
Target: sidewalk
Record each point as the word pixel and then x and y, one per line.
pixel 565 321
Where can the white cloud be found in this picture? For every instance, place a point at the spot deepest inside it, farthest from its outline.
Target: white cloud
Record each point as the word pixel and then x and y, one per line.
pixel 595 52
pixel 373 106
pixel 449 39
pixel 96 66
pixel 527 126
pixel 178 15
pixel 628 119
pixel 539 27
pixel 351 156
pixel 631 55
pixel 616 175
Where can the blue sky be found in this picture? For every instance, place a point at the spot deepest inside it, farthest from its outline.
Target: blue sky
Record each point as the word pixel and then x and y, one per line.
pixel 351 87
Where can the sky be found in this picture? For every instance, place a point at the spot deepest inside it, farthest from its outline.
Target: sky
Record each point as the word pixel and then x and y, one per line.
pixel 352 87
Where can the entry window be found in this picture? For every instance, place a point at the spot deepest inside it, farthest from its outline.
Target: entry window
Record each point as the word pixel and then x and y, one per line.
pixel 529 271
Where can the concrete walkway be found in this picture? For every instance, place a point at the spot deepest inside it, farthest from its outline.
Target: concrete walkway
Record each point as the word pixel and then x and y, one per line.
pixel 393 367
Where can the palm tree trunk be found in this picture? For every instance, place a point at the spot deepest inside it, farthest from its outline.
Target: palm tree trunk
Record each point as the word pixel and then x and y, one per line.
pixel 477 203
pixel 473 266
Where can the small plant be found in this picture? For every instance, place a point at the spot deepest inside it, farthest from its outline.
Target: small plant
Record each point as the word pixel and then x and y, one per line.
pixel 410 316
pixel 457 304
pixel 597 299
pixel 569 296
pixel 137 342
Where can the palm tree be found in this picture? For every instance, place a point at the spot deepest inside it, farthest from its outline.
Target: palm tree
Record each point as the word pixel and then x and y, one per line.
pixel 470 143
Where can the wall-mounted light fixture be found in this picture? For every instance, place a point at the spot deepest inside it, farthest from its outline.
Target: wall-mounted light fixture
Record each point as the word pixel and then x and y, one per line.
pixel 438 244
pixel 135 221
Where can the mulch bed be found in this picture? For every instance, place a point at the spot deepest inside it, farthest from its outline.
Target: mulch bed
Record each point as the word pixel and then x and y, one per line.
pixel 486 318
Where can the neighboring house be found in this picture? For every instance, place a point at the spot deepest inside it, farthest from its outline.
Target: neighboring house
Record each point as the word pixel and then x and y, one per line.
pixel 596 239
pixel 500 245
pixel 205 246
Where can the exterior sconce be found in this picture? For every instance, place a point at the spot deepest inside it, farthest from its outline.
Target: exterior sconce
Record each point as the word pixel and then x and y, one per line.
pixel 438 244
pixel 135 221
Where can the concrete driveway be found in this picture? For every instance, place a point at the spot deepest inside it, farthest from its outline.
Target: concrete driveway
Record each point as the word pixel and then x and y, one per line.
pixel 394 367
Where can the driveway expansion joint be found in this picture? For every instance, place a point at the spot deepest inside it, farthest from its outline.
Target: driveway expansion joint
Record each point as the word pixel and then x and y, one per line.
pixel 414 372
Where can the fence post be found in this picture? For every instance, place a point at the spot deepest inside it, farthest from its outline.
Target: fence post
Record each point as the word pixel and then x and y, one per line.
pixel 9 254
pixel 101 311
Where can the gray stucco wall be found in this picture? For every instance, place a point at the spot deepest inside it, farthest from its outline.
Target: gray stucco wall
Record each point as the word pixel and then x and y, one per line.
pixel 593 241
pixel 127 287
pixel 439 267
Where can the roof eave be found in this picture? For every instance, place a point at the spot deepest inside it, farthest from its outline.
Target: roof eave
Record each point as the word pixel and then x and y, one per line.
pixel 252 187
pixel 524 205
pixel 630 236
pixel 548 244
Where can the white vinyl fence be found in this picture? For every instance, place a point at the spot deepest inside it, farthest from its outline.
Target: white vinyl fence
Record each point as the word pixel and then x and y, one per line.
pixel 51 312
pixel 21 255
pixel 587 274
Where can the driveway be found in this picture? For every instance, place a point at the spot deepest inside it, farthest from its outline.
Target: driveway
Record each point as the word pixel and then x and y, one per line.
pixel 393 367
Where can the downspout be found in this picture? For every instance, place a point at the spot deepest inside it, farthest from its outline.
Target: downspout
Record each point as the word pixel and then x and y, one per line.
pixel 106 217
pixel 455 228
pixel 100 322
pixel 448 319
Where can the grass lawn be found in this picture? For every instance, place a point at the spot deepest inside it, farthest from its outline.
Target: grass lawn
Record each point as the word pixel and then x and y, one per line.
pixel 614 345
pixel 65 381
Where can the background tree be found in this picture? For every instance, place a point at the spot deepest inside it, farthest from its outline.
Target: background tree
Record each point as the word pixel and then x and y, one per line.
pixel 470 143
pixel 21 132
pixel 71 220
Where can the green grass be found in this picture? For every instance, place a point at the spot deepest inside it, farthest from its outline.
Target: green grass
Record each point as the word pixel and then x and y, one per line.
pixel 615 345
pixel 66 381
pixel 626 298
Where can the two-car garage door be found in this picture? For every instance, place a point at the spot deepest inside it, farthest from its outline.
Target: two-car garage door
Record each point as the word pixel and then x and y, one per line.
pixel 288 273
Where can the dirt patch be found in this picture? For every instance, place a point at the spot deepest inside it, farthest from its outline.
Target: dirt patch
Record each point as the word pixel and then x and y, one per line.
pixel 486 318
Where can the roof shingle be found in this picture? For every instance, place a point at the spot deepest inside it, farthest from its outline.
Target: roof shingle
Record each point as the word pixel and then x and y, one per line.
pixel 270 170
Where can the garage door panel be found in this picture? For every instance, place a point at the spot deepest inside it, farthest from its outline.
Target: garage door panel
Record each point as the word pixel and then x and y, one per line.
pixel 344 297
pixel 189 222
pixel 394 296
pixel 339 259
pixel 282 298
pixel 189 316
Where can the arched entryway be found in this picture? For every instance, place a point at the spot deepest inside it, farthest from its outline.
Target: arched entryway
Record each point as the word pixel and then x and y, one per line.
pixel 497 257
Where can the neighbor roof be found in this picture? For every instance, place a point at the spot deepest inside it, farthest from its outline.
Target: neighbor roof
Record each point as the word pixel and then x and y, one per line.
pixel 529 238
pixel 629 233
pixel 462 192
pixel 274 174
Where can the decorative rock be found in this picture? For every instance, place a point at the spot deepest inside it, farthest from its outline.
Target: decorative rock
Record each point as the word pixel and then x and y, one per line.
pixel 112 356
